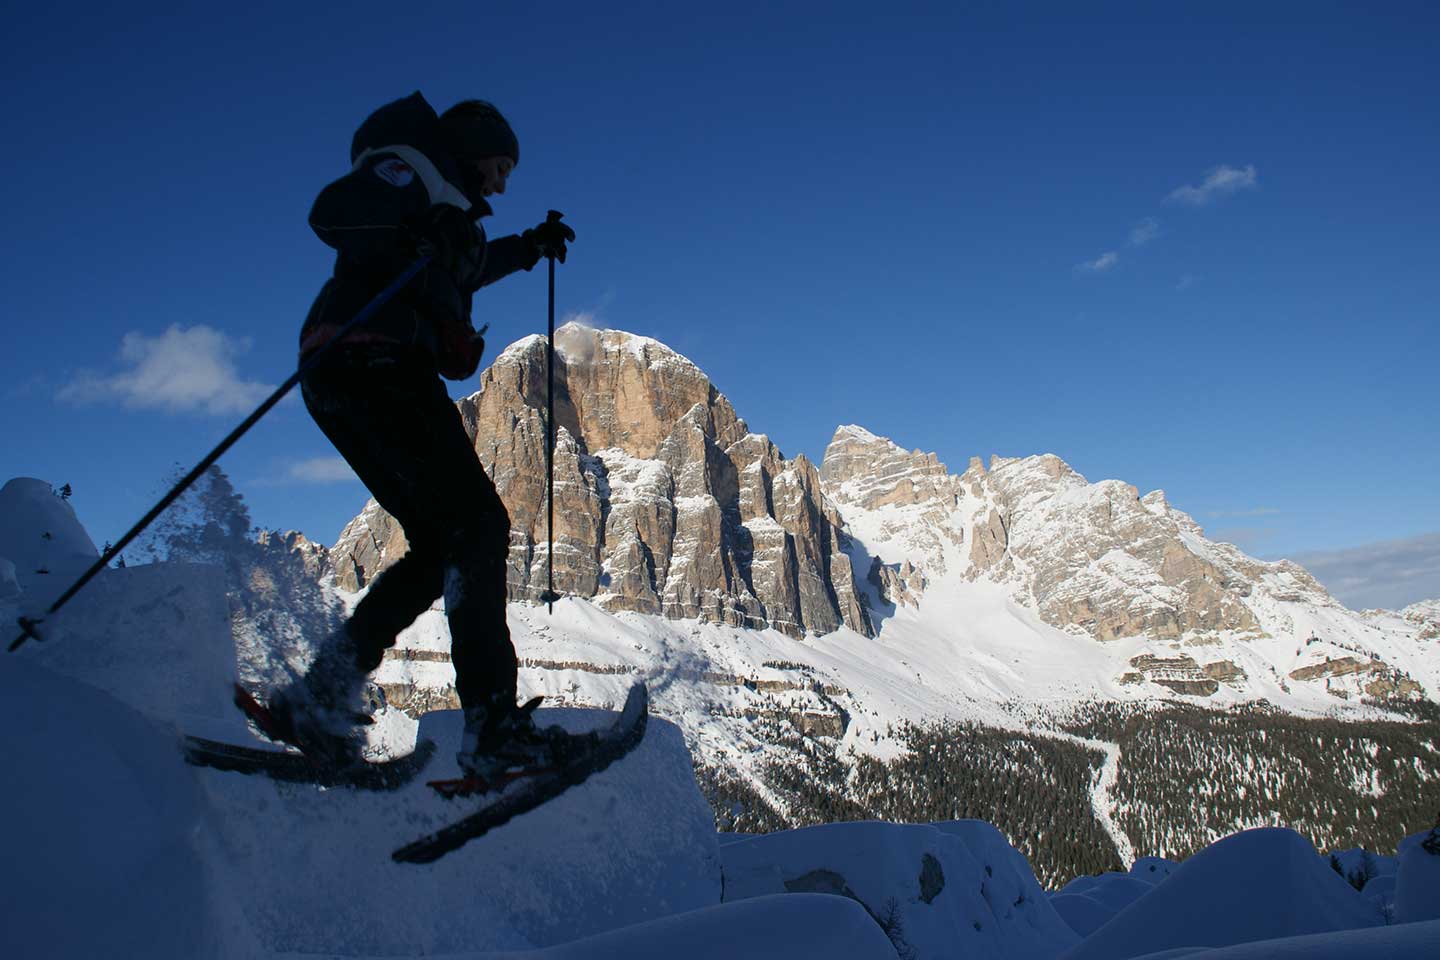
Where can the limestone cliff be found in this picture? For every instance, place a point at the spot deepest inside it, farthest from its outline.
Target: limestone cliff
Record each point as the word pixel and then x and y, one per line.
pixel 665 502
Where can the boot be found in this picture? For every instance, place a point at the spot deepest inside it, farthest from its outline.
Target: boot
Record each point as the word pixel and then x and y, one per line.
pixel 319 712
pixel 501 737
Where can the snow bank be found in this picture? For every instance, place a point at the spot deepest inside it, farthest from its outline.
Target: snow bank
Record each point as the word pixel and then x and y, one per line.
pixel 765 928
pixel 1410 941
pixel 1088 903
pixel 107 851
pixel 634 843
pixel 1256 885
pixel 1358 860
pixel 946 889
pixel 157 636
pixel 1417 882
pixel 1152 869
pixel 1082 914
pixel 9 584
pixel 40 532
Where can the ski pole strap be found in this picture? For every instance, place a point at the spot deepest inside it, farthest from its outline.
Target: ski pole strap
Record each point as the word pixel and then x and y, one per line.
pixel 29 625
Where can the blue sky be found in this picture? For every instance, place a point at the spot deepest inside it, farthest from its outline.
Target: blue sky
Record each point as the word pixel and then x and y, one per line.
pixel 1188 246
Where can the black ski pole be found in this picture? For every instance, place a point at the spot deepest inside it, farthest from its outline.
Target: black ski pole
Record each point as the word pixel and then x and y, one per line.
pixel 550 596
pixel 29 626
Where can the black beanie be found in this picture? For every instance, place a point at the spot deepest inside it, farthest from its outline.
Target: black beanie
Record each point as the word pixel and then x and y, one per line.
pixel 473 129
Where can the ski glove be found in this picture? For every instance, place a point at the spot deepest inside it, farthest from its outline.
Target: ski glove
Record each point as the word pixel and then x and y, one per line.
pixel 446 234
pixel 549 238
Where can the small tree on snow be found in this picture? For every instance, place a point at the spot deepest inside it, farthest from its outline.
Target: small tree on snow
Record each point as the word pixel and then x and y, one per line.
pixel 1431 844
pixel 890 921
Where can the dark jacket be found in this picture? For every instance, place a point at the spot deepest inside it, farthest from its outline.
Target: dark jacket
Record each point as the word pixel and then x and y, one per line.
pixel 400 171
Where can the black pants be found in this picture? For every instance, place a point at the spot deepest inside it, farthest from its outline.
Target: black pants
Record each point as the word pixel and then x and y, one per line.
pixel 389 416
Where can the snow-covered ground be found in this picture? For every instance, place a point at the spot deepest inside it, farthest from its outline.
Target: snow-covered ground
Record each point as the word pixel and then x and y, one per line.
pixel 117 848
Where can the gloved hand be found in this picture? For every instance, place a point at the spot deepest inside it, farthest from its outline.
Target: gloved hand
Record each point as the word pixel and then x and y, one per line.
pixel 446 234
pixel 550 237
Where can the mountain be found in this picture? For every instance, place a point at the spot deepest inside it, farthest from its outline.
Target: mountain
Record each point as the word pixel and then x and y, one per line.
pixel 665 502
pixel 1034 581
pixel 1104 564
pixel 876 637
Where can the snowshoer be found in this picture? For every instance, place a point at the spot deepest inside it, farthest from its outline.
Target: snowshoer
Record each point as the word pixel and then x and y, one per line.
pixel 418 186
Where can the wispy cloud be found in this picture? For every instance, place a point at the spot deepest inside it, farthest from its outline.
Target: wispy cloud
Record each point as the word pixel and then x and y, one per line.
pixel 1144 231
pixel 1185 282
pixel 1220 182
pixel 321 470
pixel 1390 574
pixel 1100 264
pixel 1251 512
pixel 181 370
pixel 583 318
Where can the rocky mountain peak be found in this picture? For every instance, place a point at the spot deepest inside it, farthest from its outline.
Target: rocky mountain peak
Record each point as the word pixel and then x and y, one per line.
pixel 665 502
pixel 862 469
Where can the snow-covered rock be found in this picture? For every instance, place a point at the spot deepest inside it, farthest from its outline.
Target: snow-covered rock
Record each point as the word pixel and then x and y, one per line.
pixel 943 889
pixel 157 636
pixel 1417 881
pixel 1088 903
pixel 44 540
pixel 1082 914
pixel 1152 869
pixel 108 847
pixel 765 928
pixel 9 583
pixel 636 842
pixel 1409 941
pixel 1257 885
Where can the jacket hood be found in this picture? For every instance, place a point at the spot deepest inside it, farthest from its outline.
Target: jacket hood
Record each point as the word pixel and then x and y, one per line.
pixel 412 122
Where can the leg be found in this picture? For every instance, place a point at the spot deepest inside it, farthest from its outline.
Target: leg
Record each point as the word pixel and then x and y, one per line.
pixel 475 602
pixel 395 425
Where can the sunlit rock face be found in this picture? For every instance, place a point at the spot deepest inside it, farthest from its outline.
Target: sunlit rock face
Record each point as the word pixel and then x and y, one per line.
pixel 665 502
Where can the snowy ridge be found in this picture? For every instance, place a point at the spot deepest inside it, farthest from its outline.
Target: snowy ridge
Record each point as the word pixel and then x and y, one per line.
pixel 1096 561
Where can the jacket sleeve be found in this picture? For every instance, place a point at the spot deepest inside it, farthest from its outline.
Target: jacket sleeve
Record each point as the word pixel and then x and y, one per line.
pixel 505 255
pixel 360 214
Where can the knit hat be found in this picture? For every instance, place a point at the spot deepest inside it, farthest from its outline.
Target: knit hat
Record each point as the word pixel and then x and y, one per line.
pixel 474 128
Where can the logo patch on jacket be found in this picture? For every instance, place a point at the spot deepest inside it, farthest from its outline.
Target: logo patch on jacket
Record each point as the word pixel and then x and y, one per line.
pixel 395 172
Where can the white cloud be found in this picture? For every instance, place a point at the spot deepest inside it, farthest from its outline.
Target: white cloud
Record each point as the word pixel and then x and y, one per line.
pixel 1186 282
pixel 1391 574
pixel 583 318
pixel 1219 182
pixel 1144 231
pixel 179 371
pixel 1100 264
pixel 321 470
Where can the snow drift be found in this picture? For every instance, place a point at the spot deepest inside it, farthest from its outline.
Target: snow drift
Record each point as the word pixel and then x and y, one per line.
pixel 1257 885
pixel 942 889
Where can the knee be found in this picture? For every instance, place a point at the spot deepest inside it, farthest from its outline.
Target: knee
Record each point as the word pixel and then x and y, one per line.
pixel 482 540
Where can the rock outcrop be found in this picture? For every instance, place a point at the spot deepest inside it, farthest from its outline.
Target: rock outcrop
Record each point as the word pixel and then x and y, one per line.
pixel 665 502
pixel 907 502
pixel 1098 558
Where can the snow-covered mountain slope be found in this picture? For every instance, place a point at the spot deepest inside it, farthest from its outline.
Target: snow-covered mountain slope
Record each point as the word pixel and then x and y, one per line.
pixel 1022 582
pixel 185 862
pixel 1131 583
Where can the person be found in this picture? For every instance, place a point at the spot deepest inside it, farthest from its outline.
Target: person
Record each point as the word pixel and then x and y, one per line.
pixel 419 185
